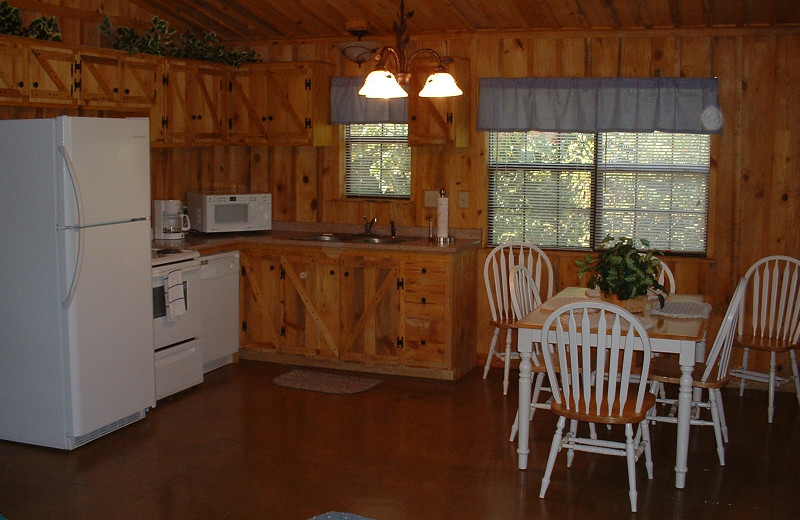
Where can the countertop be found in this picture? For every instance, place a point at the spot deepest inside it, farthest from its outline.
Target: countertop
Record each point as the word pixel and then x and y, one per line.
pixel 289 233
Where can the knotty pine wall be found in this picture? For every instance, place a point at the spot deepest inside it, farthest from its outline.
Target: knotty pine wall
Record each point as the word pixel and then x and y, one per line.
pixel 755 178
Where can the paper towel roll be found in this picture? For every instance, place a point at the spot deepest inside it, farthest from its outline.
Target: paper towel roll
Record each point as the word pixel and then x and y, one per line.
pixel 442 218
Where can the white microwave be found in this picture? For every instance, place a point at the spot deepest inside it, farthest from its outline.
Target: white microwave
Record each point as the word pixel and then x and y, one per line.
pixel 221 213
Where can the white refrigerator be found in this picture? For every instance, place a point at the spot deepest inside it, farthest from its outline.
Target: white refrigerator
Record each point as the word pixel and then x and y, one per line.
pixel 76 318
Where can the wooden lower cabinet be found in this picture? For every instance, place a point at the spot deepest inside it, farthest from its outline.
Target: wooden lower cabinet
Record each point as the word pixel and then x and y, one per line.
pixel 382 311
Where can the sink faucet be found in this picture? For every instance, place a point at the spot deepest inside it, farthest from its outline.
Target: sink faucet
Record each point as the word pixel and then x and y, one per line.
pixel 368 224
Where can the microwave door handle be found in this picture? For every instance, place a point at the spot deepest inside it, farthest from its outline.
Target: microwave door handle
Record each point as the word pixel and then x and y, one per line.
pixel 76 228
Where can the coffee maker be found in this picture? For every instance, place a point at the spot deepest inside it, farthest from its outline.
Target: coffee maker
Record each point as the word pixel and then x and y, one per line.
pixel 169 220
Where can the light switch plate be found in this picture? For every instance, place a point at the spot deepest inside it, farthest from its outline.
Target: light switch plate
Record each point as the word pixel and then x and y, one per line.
pixel 463 199
pixel 430 198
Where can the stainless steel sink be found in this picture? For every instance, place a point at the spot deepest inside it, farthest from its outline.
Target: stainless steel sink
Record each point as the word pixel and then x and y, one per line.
pixel 379 240
pixel 352 238
pixel 325 237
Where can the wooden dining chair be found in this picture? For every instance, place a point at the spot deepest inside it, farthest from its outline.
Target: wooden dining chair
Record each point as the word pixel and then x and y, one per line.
pixel 496 276
pixel 713 377
pixel 593 344
pixel 769 321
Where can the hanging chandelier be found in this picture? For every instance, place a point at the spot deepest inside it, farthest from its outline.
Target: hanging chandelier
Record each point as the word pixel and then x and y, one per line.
pixel 383 83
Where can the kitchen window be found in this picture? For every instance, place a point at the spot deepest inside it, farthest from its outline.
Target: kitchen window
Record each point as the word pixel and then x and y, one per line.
pixel 378 160
pixel 570 190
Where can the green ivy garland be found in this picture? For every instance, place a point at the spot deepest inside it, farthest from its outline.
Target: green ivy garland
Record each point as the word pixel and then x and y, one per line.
pixel 42 28
pixel 159 40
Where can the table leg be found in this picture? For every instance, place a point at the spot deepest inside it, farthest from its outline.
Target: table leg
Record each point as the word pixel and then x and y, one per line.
pixel 684 416
pixel 524 408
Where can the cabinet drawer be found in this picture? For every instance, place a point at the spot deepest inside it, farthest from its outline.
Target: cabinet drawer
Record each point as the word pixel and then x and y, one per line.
pixel 425 280
pixel 424 331
pixel 428 309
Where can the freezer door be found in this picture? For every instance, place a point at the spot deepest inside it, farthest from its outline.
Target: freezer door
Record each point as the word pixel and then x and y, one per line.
pixel 109 327
pixel 104 169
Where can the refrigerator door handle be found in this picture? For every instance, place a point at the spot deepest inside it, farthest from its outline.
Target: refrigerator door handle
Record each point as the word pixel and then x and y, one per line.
pixel 76 188
pixel 75 227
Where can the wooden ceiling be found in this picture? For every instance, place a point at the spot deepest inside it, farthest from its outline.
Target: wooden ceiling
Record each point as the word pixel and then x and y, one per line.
pixel 266 20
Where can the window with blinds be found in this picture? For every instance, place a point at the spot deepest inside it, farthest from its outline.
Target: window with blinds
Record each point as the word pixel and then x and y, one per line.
pixel 378 160
pixel 570 190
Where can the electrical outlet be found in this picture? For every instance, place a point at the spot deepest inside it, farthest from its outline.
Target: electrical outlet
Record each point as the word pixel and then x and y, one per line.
pixel 430 198
pixel 463 199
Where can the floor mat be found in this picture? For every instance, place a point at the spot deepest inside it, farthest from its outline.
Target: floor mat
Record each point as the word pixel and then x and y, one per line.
pixel 325 382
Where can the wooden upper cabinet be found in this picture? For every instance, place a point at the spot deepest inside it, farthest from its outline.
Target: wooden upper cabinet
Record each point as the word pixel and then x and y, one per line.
pixel 139 81
pixel 247 121
pixel 284 103
pixel 13 72
pixel 51 73
pixel 439 121
pixel 196 102
pixel 100 78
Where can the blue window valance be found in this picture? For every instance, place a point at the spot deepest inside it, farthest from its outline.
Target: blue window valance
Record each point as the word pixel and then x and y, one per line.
pixel 590 105
pixel 347 107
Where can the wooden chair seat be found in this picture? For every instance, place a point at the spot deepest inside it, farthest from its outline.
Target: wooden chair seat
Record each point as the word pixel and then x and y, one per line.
pixel 764 343
pixel 667 369
pixel 629 414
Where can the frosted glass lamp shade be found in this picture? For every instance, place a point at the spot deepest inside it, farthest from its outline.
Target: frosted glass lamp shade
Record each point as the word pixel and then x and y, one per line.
pixel 440 84
pixel 382 84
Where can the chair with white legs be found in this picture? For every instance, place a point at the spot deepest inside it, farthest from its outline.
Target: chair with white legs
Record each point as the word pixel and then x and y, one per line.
pixel 714 376
pixel 769 321
pixel 496 274
pixel 593 343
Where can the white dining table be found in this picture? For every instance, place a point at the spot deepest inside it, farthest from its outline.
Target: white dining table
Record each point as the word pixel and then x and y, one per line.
pixel 667 335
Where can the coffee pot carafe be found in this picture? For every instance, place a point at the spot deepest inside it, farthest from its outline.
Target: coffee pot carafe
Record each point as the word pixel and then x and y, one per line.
pixel 169 220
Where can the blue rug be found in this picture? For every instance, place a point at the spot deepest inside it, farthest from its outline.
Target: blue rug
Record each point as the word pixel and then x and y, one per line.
pixel 333 515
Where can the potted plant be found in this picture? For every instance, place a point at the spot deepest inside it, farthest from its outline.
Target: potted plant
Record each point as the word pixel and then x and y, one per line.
pixel 623 274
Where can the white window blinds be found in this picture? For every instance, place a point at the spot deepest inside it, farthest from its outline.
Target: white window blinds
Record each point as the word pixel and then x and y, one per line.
pixel 377 161
pixel 569 190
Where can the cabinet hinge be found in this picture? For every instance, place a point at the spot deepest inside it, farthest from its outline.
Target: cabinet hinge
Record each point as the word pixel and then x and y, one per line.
pixel 400 284
pixel 308 122
pixel 164 121
pixel 78 67
pixel 283 331
pixel 230 86
pixel 244 273
pixel 283 273
pixel 77 85
pixel 399 342
pixel 230 124
pixel 308 84
pixel 449 118
pixel 165 80
pixel 244 326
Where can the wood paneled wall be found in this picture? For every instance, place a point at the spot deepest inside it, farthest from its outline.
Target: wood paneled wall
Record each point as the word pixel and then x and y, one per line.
pixel 755 177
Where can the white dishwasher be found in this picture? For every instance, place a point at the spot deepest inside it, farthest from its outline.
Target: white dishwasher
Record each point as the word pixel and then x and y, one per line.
pixel 219 283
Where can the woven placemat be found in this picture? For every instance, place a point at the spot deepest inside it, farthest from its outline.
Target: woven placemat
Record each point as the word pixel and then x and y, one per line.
pixel 325 382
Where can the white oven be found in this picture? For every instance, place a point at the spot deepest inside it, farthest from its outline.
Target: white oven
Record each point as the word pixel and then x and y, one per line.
pixel 176 321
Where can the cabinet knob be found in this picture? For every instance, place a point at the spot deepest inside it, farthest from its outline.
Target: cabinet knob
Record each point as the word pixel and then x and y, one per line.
pixel 270 118
pixel 35 84
pixel 200 116
pixel 127 91
pixel 272 268
pixel 263 118
pixel 194 117
pixel 413 118
pixel 21 84
pixel 422 342
pixel 116 90
pixel 424 270
pixel 332 272
pixel 423 300
pixel 347 273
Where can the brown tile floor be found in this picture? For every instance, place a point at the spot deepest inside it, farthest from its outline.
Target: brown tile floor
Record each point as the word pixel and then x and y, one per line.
pixel 239 447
